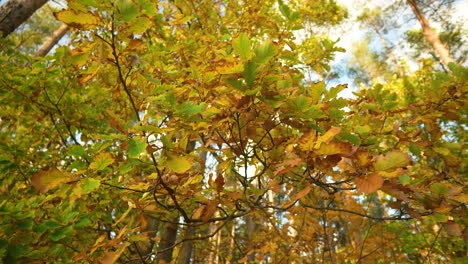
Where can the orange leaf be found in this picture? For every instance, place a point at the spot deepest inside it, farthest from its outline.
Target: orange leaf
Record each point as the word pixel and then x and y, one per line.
pixel 302 193
pixel 49 179
pixel 369 184
pixel 363 157
pixel 209 211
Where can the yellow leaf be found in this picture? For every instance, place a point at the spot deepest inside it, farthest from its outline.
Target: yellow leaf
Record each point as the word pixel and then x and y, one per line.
pixel 334 148
pixel 392 174
pixel 369 184
pixel 112 256
pixel 328 136
pixel 392 160
pixel 179 164
pixel 77 19
pixel 307 141
pixel 363 157
pixel 49 179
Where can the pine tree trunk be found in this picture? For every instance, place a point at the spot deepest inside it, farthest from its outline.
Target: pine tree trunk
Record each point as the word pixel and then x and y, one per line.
pixel 51 41
pixel 388 50
pixel 16 12
pixel 429 34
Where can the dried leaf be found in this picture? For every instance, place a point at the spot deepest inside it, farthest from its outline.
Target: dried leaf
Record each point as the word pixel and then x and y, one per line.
pixel 369 184
pixel 209 211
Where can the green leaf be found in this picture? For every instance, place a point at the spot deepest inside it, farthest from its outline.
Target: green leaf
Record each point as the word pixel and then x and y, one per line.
pixel 135 147
pixel 127 10
pixel 190 107
pixel 48 179
pixel 439 189
pixel 89 184
pixel 236 84
pixel 179 164
pixel 264 52
pixel 101 161
pixel 250 73
pixel 58 234
pixel 241 45
pixel 405 179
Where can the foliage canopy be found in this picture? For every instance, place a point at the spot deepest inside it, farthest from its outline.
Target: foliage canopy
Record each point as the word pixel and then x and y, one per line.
pixel 198 115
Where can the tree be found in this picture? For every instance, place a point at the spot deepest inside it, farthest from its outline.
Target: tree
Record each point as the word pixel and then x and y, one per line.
pixel 429 34
pixel 185 131
pixel 15 12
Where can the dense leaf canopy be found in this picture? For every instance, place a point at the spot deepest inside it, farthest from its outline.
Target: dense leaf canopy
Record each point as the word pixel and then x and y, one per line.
pixel 196 121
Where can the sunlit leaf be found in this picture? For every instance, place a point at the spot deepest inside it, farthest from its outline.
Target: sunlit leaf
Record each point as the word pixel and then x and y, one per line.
pixel 392 160
pixel 179 164
pixel 136 146
pixel 369 183
pixel 241 45
pixel 334 148
pixel 81 20
pixel 264 52
pixel 89 184
pixel 328 136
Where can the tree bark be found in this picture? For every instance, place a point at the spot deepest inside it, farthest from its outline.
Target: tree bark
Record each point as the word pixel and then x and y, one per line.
pixel 400 71
pixel 185 253
pixel 51 41
pixel 166 246
pixel 429 34
pixel 15 12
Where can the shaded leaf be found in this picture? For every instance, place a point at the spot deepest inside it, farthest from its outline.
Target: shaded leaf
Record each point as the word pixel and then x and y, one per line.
pixel 334 148
pixel 49 179
pixel 101 161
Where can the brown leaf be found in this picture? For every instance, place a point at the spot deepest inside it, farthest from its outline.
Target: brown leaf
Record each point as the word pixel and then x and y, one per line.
pixel 453 228
pixel 219 183
pixel 45 180
pixel 209 211
pixel 369 184
pixel 363 157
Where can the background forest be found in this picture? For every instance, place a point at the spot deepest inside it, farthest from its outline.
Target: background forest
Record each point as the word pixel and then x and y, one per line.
pixel 226 131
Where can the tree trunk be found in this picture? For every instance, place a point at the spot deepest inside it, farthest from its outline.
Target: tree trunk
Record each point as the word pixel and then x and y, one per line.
pixel 185 253
pixel 430 36
pixel 51 41
pixel 15 12
pixel 166 246
pixel 390 54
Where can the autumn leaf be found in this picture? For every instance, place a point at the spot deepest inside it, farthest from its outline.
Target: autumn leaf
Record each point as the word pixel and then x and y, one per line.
pixel 46 180
pixel 112 256
pixel 101 161
pixel 78 19
pixel 307 141
pixel 179 164
pixel 219 183
pixel 209 211
pixel 241 45
pixel 136 146
pixel 334 148
pixel 391 160
pixel 369 184
pixel 328 136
